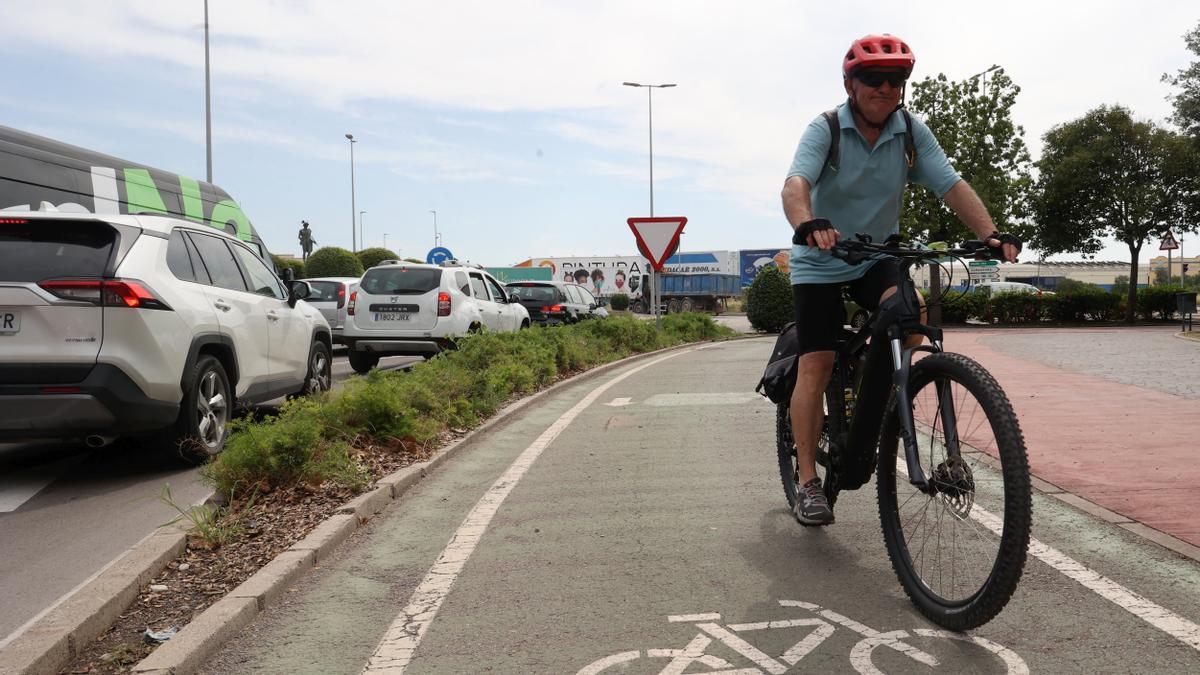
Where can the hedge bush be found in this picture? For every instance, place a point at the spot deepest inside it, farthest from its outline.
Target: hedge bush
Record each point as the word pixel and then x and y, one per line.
pixel 769 300
pixel 1157 302
pixel 370 257
pixel 281 264
pixel 331 261
pixel 958 306
pixel 310 439
pixel 1083 303
pixel 1014 307
pixel 619 301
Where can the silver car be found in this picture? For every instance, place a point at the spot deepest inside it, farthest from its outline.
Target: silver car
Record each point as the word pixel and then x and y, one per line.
pixel 330 294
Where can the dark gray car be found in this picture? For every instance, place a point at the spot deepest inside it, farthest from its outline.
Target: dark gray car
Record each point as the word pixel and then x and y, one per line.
pixel 551 303
pixel 329 294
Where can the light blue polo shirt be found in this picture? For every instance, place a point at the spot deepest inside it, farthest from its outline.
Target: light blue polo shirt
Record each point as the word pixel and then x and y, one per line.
pixel 866 193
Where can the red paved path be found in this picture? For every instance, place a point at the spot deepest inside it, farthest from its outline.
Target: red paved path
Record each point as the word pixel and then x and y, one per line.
pixel 1129 449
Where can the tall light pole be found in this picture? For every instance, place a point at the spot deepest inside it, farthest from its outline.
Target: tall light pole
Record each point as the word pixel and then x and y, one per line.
pixel 353 229
pixel 655 294
pixel 436 236
pixel 361 233
pixel 650 103
pixel 983 74
pixel 207 98
pixel 385 239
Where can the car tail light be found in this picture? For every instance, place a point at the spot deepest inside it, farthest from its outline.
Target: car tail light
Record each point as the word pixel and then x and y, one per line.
pixel 341 295
pixel 112 293
pixel 350 306
pixel 443 304
pixel 552 309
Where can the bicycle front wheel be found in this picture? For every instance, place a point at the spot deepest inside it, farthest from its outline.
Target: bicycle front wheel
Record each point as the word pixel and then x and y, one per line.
pixel 959 549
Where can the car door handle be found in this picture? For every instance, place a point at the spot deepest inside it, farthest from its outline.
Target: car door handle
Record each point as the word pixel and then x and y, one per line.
pixel 220 304
pixel 272 315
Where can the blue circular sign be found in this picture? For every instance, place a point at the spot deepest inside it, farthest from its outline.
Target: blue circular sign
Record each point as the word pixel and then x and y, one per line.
pixel 438 255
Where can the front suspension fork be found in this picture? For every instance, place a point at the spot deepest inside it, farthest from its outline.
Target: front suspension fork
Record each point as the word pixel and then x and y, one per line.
pixel 902 367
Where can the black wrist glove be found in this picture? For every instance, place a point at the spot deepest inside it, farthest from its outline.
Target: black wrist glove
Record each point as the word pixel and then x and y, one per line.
pixel 800 236
pixel 1006 238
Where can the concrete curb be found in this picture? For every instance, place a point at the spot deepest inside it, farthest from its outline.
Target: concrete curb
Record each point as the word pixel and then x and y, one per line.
pixel 56 638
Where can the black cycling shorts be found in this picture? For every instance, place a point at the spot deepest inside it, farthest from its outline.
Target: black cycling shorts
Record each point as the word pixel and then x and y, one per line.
pixel 820 313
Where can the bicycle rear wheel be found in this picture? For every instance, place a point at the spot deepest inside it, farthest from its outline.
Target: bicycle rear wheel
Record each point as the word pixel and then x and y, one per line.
pixel 785 445
pixel 960 550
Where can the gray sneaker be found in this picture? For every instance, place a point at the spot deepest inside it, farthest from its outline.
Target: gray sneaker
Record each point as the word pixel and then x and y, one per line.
pixel 812 508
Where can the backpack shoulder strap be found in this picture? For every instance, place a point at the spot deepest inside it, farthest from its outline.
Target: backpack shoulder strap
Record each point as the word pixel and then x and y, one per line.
pixel 910 148
pixel 835 135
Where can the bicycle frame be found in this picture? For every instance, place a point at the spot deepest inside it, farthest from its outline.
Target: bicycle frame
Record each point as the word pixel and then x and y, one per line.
pixel 896 318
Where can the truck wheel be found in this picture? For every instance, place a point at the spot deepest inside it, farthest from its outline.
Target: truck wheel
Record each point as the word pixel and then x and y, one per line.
pixel 687 305
pixel 673 306
pixel 638 307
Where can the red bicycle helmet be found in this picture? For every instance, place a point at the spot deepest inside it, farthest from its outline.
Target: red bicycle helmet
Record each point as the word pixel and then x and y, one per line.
pixel 878 51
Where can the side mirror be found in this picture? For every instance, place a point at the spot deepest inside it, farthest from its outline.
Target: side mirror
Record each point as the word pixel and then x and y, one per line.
pixel 289 274
pixel 593 305
pixel 514 298
pixel 298 290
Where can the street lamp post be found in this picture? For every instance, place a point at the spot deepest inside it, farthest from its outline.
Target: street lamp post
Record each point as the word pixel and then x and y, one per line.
pixel 385 239
pixel 655 293
pixel 436 236
pixel 353 230
pixel 207 99
pixel 983 75
pixel 361 233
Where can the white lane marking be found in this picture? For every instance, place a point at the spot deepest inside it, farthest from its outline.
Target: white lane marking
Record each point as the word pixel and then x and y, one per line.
pixel 1156 615
pixel 66 596
pixel 799 650
pixel 400 642
pixel 891 639
pixel 615 659
pixel 21 486
pixel 618 402
pixel 693 618
pixel 744 648
pixel 1015 663
pixel 704 398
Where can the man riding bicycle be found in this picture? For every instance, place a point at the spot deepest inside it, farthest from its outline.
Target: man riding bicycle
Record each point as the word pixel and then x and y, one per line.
pixel 856 180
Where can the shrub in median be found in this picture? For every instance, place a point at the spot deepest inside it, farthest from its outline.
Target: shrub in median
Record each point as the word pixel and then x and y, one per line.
pixel 619 301
pixel 311 439
pixel 331 261
pixel 1157 302
pixel 370 257
pixel 769 300
pixel 1083 303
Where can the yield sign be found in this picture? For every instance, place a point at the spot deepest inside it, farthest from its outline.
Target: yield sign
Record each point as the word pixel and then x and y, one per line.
pixel 1168 242
pixel 657 238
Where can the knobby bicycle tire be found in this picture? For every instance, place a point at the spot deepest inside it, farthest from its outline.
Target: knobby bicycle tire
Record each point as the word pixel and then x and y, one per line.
pixel 991 435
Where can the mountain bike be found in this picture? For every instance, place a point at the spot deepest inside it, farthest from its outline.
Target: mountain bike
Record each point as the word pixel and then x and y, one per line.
pixel 941 437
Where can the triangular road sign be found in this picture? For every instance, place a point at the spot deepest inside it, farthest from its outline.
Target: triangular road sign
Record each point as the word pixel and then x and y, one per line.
pixel 657 238
pixel 1168 242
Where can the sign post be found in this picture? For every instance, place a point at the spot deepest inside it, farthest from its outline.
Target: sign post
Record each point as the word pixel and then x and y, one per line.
pixel 1169 244
pixel 657 239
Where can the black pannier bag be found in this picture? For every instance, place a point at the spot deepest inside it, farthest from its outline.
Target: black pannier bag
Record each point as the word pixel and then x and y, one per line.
pixel 779 377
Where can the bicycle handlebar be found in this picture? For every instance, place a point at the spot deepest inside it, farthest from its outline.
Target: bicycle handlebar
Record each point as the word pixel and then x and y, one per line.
pixel 857 251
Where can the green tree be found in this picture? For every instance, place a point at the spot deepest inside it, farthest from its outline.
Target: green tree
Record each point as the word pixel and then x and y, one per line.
pixel 974 126
pixel 370 257
pixel 1107 175
pixel 331 261
pixel 1187 101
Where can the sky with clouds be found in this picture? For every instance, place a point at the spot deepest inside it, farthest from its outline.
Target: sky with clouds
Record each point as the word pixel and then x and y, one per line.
pixel 509 117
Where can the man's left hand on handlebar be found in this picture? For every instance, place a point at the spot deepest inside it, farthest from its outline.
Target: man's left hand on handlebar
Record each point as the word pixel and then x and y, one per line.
pixel 817 232
pixel 1009 244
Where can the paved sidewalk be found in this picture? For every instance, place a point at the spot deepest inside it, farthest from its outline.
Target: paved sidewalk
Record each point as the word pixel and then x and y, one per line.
pixel 1096 418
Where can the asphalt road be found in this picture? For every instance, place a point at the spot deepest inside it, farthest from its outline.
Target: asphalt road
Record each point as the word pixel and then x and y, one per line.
pixel 67 511
pixel 641 528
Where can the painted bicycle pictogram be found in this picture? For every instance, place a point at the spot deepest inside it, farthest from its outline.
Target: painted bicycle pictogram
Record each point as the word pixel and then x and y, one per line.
pixel 823 625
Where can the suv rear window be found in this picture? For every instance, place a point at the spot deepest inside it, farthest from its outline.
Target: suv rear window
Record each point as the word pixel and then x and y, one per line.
pixel 400 281
pixel 535 293
pixel 33 251
pixel 323 290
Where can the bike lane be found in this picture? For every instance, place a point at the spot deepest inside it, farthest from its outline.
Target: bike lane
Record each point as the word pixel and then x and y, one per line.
pixel 655 520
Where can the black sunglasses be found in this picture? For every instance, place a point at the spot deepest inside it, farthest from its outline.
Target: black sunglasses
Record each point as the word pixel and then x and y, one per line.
pixel 875 78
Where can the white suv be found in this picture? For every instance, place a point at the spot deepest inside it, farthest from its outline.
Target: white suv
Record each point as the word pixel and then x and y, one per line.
pixel 414 309
pixel 135 325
